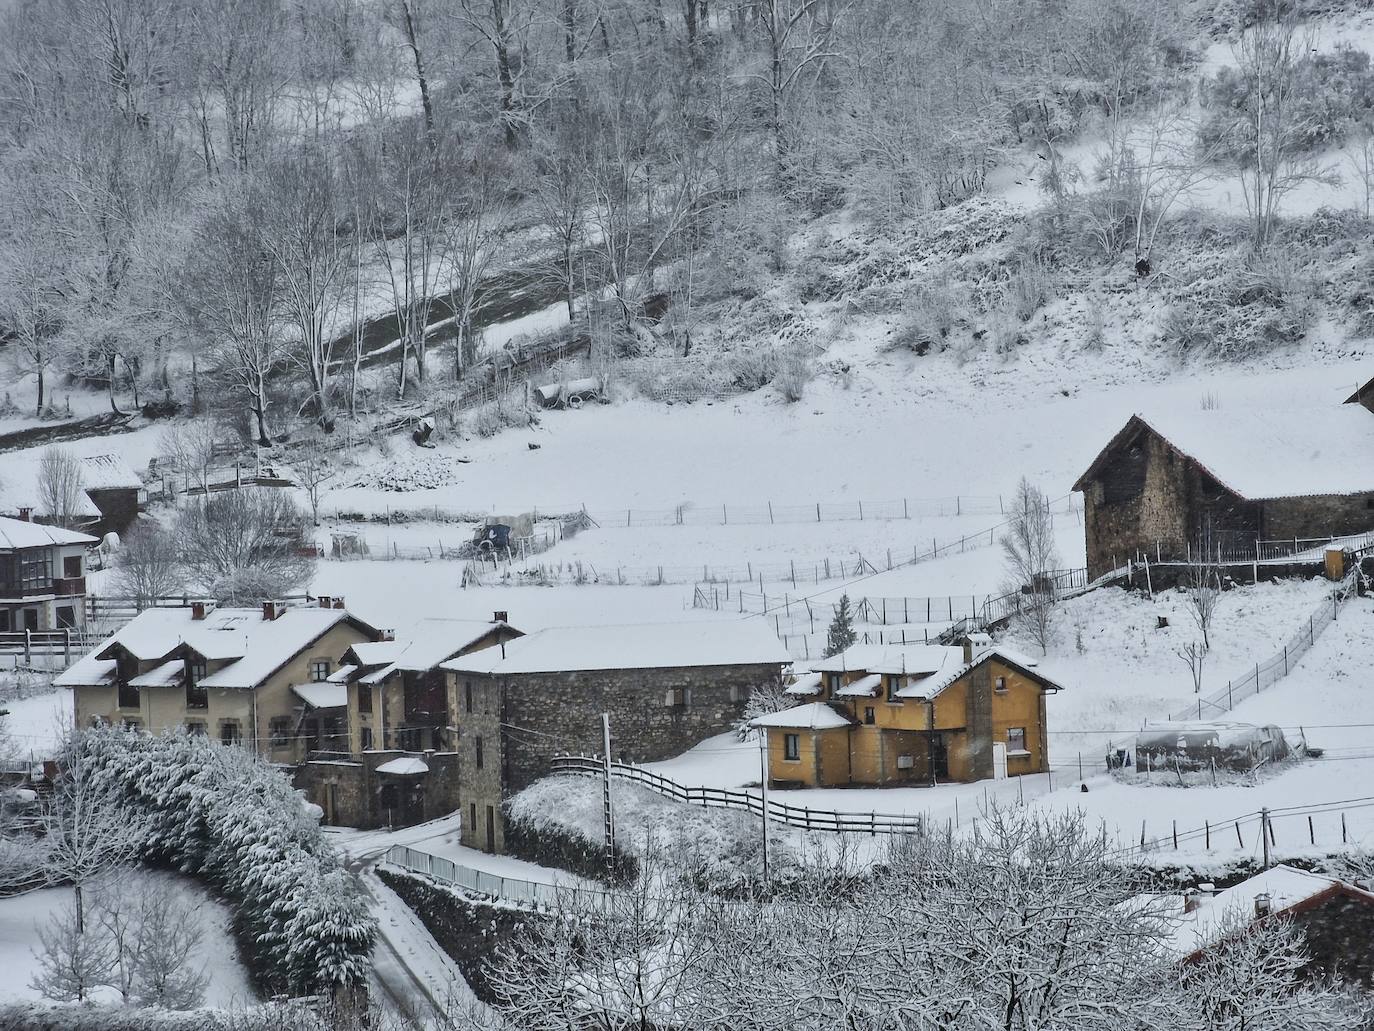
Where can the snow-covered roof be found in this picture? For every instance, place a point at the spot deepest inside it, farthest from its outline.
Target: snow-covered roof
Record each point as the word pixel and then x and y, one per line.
pixel 805 684
pixel 1201 732
pixel 406 765
pixel 812 716
pixel 87 672
pixel 256 647
pixel 636 646
pixel 20 533
pixel 933 685
pixel 343 674
pixel 105 472
pixel 322 694
pixel 376 653
pixel 166 675
pixel 1270 453
pixel 864 687
pixel 1219 914
pixel 434 640
pixel 913 660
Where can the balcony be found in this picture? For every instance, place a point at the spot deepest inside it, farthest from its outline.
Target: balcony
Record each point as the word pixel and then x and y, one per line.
pixel 69 586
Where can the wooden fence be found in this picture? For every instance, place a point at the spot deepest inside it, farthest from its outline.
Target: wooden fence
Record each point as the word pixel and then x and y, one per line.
pixel 730 798
pixel 42 647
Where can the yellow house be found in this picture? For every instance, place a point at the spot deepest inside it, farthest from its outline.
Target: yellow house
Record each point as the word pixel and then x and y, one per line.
pixel 248 676
pixel 881 715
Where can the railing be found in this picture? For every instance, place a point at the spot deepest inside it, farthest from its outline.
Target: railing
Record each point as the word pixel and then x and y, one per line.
pixel 33 644
pixel 508 889
pixel 728 798
pixel 107 609
pixel 1237 549
pixel 1278 665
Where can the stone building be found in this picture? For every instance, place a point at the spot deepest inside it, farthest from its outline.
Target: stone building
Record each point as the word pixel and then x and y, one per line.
pixel 397 765
pixel 883 715
pixel 116 491
pixel 665 687
pixel 247 676
pixel 1223 480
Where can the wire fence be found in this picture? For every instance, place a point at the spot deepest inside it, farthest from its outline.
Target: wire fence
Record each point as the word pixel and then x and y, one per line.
pixel 727 513
pixel 1278 665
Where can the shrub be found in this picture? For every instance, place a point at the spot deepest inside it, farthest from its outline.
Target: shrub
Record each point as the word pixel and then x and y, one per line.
pixel 794 371
pixel 1186 328
pixel 223 814
pixel 932 312
pixel 495 416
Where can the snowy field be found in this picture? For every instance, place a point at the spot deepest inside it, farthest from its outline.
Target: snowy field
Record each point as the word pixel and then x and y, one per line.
pixel 22 915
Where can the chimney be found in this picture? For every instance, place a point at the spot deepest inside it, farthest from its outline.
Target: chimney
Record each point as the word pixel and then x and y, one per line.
pixel 326 602
pixel 197 610
pixel 338 603
pixel 1264 905
pixel 26 514
pixel 976 646
pixel 271 610
pixel 500 616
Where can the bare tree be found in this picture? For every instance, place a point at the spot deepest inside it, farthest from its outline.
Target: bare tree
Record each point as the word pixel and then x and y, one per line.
pixel 1269 157
pixel 87 828
pixel 477 230
pixel 148 564
pixel 1030 552
pixel 154 936
pixel 314 469
pixel 1202 586
pixel 190 446
pixel 72 962
pixel 1193 654
pixel 244 545
pixel 60 492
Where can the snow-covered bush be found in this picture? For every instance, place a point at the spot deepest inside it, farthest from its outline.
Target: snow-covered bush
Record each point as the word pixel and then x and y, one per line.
pixel 222 814
pixel 493 417
pixel 794 371
pixel 931 312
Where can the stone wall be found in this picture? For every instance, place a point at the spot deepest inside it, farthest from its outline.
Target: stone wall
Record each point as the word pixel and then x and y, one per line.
pixel 524 721
pixel 353 794
pixel 1324 515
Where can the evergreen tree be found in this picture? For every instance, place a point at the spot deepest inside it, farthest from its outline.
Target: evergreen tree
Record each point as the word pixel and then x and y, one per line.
pixel 841 633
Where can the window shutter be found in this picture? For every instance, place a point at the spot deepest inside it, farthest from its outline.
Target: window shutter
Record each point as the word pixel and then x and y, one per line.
pixel 668 697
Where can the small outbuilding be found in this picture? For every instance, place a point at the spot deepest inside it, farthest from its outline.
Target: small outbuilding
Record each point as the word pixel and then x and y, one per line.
pixel 1201 745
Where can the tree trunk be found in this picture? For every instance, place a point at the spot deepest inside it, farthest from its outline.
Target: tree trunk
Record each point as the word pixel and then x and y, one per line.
pixel 691 13
pixel 39 412
pixel 568 276
pixel 260 410
pixel 114 407
pixel 503 71
pixel 80 910
pixel 413 42
pixel 570 30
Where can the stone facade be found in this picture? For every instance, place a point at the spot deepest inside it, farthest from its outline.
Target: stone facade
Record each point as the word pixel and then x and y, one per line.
pixel 511 726
pixel 1142 495
pixel 353 794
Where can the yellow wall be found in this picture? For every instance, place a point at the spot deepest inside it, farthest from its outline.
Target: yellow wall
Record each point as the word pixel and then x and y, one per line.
pixel 164 708
pixel 823 757
pixel 899 729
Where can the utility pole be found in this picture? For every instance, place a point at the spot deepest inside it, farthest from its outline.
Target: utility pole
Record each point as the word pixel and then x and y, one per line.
pixel 1264 834
pixel 763 764
pixel 606 788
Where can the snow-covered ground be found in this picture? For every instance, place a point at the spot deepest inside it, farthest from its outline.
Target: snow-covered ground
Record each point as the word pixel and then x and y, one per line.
pixel 34 725
pixel 22 915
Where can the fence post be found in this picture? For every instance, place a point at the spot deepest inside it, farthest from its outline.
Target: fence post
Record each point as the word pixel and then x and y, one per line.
pixel 28 648
pixel 67 644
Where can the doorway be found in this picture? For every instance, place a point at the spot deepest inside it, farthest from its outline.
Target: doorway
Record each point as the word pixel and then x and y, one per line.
pixel 939 756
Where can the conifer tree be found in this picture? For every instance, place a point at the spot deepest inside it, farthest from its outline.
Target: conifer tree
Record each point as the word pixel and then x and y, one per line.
pixel 841 633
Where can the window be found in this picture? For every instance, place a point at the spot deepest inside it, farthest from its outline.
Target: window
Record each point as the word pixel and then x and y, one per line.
pixel 870 717
pixel 364 698
pixel 229 732
pixel 894 684
pixel 35 572
pixel 280 729
pixel 196 696
pixel 319 670
pixel 66 617
pixel 129 697
pixel 678 697
pixel 467 696
pixel 196 728
pixel 477 744
pixel 1000 685
pixel 133 724
pixel 365 738
pixel 1016 740
pixel 791 747
pixel 833 682
pixel 71 567
pixel 472 816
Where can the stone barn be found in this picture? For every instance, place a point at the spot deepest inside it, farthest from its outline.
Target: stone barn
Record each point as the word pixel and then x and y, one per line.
pixel 1165 483
pixel 665 687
